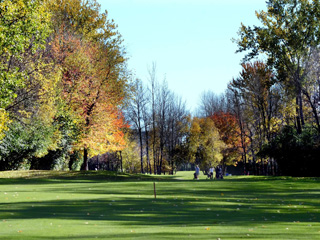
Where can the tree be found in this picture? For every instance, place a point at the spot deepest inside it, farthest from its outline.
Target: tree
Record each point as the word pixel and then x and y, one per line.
pixel 89 51
pixel 135 112
pixel 229 132
pixel 257 104
pixel 176 129
pixel 205 145
pixel 153 90
pixel 289 33
pixel 25 27
pixel 311 89
pixel 130 154
pixel 212 103
pixel 297 154
pixel 146 116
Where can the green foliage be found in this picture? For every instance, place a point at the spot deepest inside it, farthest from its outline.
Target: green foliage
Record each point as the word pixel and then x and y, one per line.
pixel 289 28
pixel 61 77
pixel 22 142
pixel 83 18
pixel 288 38
pixel 296 154
pixel 58 158
pixel 24 26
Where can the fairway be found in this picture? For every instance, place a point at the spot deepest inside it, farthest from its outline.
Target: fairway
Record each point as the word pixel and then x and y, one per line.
pixel 101 205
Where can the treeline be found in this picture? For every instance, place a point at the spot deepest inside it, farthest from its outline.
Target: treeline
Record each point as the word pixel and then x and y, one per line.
pixel 158 118
pixel 276 99
pixel 68 101
pixel 268 118
pixel 63 79
pixel 168 138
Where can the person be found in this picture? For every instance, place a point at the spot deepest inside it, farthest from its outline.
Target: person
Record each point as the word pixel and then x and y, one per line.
pixel 197 173
pixel 211 172
pixel 217 172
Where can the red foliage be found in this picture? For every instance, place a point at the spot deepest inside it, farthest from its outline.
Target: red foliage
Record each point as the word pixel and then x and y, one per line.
pixel 229 131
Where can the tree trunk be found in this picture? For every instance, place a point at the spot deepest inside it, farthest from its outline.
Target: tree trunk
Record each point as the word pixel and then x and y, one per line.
pixel 301 109
pixel 147 151
pixel 298 121
pixel 314 110
pixel 141 150
pixel 85 159
pixel 160 163
pixel 121 161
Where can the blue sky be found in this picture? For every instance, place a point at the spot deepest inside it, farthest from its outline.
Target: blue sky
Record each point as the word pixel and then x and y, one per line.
pixel 190 40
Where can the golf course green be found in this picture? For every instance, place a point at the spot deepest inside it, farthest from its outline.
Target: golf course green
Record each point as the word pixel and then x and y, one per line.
pixel 105 205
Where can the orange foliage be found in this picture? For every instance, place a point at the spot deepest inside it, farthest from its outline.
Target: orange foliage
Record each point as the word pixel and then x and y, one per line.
pixel 91 89
pixel 229 131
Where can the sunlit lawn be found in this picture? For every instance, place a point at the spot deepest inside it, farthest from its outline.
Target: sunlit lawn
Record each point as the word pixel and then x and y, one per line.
pixel 100 205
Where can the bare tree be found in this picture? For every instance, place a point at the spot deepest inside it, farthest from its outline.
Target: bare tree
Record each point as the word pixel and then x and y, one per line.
pixel 153 82
pixel 135 112
pixel 147 117
pixel 311 86
pixel 211 103
pixel 164 98
pixel 177 115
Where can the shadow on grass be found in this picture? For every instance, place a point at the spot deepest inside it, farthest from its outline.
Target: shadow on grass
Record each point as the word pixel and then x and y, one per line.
pixel 134 204
pixel 103 197
pixel 186 235
pixel 42 177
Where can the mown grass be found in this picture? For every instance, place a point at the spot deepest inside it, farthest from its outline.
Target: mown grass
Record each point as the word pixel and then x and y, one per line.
pixel 103 205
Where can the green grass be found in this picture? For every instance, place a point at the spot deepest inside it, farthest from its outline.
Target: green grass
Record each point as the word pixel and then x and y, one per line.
pixel 100 205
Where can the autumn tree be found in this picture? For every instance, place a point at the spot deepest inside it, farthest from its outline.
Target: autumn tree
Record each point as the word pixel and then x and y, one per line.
pixel 88 49
pixel 229 132
pixel 289 32
pixel 261 103
pixel 237 108
pixel 28 84
pixel 130 154
pixel 205 145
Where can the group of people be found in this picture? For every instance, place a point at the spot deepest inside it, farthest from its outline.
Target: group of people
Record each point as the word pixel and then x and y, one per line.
pixel 219 173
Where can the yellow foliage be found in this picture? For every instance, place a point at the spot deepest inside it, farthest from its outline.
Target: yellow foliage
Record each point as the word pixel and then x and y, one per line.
pixel 48 93
pixel 4 120
pixel 104 134
pixel 205 142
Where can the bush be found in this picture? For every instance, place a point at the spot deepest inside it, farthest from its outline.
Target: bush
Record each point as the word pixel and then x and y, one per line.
pixel 296 154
